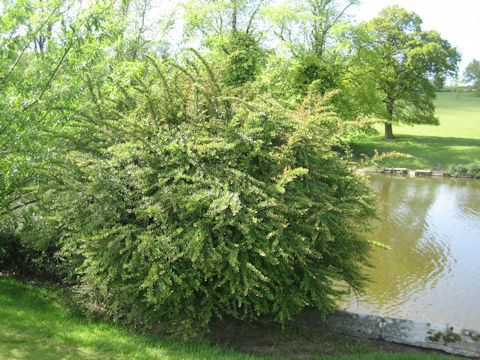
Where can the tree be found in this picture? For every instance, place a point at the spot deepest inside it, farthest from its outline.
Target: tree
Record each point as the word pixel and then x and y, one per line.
pixel 308 25
pixel 231 31
pixel 472 74
pixel 410 64
pixel 312 31
pixel 53 54
pixel 213 18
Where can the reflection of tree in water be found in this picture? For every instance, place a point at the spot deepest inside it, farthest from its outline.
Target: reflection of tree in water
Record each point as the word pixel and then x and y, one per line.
pixel 415 258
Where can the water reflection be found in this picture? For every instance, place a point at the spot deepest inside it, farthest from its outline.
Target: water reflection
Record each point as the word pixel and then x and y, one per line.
pixel 432 272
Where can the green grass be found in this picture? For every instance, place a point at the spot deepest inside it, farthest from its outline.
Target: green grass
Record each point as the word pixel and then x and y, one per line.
pixel 455 141
pixel 34 324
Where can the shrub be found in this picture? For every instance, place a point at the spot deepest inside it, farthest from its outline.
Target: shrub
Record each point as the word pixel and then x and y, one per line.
pixel 23 257
pixel 472 169
pixel 10 249
pixel 210 205
pixel 244 58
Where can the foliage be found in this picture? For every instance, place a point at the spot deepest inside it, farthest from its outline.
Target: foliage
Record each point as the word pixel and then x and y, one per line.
pixel 309 68
pixel 55 52
pixel 471 169
pixel 243 60
pixel 325 49
pixel 167 190
pixel 411 64
pixel 232 33
pixel 472 74
pixel 219 18
pixel 207 205
pixel 309 25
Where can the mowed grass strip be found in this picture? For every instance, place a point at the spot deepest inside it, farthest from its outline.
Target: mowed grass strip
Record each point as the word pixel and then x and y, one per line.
pixel 455 141
pixel 35 325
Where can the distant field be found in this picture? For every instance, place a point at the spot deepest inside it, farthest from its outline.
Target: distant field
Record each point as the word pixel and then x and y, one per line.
pixel 456 140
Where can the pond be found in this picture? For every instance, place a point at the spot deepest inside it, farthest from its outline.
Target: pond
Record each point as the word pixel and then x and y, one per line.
pixel 432 271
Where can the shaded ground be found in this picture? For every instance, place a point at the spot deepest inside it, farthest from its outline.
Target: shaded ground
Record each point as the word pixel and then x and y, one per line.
pixel 299 342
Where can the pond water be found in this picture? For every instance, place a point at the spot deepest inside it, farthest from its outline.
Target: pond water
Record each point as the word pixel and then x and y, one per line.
pixel 432 272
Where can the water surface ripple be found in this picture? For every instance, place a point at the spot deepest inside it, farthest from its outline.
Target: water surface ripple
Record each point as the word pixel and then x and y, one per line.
pixel 432 272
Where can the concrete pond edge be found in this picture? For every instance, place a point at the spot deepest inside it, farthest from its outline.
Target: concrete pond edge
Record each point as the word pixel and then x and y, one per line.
pixel 443 337
pixel 413 173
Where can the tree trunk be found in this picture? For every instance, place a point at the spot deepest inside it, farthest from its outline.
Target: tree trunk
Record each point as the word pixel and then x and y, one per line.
pixel 234 16
pixel 388 131
pixel 388 123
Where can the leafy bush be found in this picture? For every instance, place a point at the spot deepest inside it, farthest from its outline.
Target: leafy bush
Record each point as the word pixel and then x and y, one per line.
pixel 243 61
pixel 23 257
pixel 208 205
pixel 10 248
pixel 472 169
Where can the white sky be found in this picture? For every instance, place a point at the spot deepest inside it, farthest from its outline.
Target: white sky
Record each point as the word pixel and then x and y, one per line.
pixel 457 21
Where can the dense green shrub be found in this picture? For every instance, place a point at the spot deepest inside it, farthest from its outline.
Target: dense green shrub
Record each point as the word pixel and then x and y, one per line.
pixel 10 253
pixel 310 68
pixel 243 58
pixel 471 169
pixel 26 258
pixel 206 205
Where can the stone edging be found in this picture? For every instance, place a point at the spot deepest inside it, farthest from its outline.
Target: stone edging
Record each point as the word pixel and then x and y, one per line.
pixel 446 338
pixel 413 173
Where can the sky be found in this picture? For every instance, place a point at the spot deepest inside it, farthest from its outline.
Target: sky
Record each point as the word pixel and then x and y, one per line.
pixel 457 21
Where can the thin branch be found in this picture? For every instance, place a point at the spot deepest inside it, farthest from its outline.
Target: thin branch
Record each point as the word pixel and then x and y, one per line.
pixel 342 12
pixel 4 79
pixel 253 16
pixel 4 212
pixel 51 77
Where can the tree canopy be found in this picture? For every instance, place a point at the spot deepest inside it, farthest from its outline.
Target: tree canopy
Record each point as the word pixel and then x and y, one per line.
pixel 411 64
pixel 472 74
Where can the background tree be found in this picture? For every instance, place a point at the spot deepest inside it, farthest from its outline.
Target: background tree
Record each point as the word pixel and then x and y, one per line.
pixel 308 25
pixel 212 18
pixel 312 30
pixel 232 31
pixel 472 74
pixel 411 63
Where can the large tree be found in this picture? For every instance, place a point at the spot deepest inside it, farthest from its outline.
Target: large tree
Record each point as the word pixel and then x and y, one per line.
pixel 411 63
pixel 311 30
pixel 472 74
pixel 213 18
pixel 308 25
pixel 232 31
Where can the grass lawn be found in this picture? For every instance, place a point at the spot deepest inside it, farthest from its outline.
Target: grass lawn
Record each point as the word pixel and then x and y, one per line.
pixel 35 324
pixel 455 141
